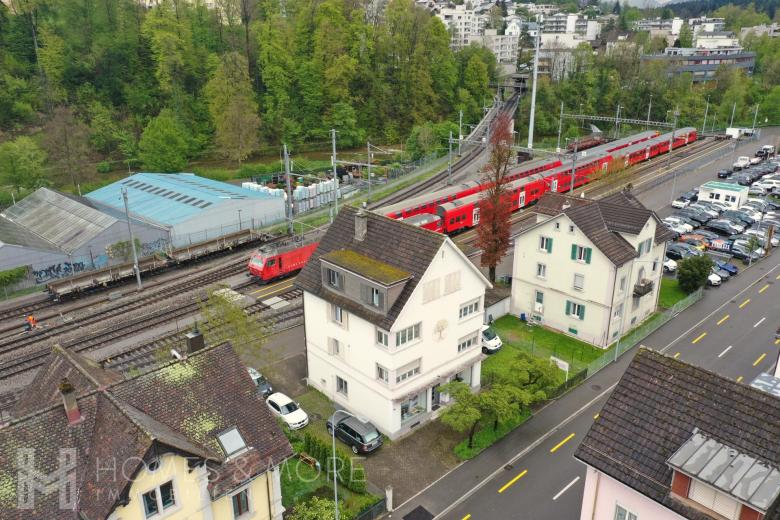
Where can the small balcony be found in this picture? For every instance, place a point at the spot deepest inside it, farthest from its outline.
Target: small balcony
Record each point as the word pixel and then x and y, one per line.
pixel 643 288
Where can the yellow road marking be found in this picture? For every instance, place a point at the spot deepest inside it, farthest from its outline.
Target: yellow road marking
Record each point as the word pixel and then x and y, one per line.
pixel 271 290
pixel 597 415
pixel 744 303
pixel 699 338
pixel 739 379
pixel 521 475
pixel 467 516
pixel 777 341
pixel 777 277
pixel 724 318
pixel 764 288
pixel 676 355
pixel 564 441
pixel 760 359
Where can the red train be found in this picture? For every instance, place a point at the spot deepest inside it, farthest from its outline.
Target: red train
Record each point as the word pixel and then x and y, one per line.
pixel 460 210
pixel 271 263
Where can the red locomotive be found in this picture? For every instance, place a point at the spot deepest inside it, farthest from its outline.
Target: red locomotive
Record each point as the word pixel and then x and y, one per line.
pixel 270 263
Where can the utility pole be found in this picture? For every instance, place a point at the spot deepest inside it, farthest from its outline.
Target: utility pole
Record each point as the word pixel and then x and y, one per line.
pixel 755 116
pixel 706 110
pixel 335 173
pixel 669 157
pixel 733 109
pixel 449 161
pixel 460 131
pixel 560 127
pixel 533 88
pixel 649 106
pixel 574 167
pixel 132 241
pixel 289 209
pixel 617 116
pixel 368 148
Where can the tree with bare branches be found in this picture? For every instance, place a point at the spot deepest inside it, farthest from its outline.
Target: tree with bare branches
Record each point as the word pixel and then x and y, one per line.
pixel 495 206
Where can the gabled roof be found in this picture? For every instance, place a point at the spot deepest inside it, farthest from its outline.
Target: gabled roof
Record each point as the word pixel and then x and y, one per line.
pixel 400 245
pixel 655 409
pixel 13 234
pixel 62 221
pixel 626 199
pixel 179 407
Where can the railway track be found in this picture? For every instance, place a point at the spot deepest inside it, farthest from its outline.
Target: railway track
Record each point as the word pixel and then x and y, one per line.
pixel 33 360
pixel 12 344
pixel 468 159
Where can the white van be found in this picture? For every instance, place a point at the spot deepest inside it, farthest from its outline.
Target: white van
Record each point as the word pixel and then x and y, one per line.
pixel 742 162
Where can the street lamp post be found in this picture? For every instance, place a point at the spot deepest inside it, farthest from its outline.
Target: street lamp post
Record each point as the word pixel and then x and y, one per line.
pixel 335 473
pixel 669 158
pixel 239 220
pixel 573 166
pixel 649 106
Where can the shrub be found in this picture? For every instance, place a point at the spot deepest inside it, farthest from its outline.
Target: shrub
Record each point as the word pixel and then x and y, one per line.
pixel 692 272
pixel 351 474
pixel 104 167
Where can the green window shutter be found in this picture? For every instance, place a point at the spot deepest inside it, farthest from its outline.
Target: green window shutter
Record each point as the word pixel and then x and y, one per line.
pixel 588 251
pixel 568 307
pixel 549 245
pixel 582 312
pixel 574 251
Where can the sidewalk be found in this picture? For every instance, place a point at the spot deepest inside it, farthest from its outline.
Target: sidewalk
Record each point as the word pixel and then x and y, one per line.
pixel 546 422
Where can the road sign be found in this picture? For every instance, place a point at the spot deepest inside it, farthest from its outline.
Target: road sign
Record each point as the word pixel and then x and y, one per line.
pixel 563 365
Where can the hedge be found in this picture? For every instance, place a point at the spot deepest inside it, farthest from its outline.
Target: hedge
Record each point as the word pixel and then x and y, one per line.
pixel 350 474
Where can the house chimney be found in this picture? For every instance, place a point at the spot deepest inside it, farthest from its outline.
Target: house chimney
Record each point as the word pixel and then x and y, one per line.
pixel 361 225
pixel 69 401
pixel 195 340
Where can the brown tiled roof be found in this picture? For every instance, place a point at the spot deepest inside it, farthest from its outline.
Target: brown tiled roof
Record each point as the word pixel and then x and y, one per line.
pixel 654 410
pixel 403 246
pixel 181 407
pixel 603 220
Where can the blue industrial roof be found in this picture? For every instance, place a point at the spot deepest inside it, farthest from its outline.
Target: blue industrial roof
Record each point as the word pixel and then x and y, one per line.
pixel 171 198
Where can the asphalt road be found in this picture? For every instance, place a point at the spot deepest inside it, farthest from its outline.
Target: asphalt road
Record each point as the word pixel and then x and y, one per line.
pixel 531 474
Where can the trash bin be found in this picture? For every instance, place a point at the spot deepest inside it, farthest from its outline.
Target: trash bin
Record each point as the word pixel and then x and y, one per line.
pixel 522 316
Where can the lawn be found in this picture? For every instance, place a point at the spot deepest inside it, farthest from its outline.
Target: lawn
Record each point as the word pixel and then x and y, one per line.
pixel 670 292
pixel 487 436
pixel 319 409
pixel 543 343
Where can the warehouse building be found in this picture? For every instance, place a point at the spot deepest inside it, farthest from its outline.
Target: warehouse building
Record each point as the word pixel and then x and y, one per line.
pixel 57 235
pixel 192 209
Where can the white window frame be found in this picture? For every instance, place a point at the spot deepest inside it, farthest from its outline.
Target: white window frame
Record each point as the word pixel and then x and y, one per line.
pixel 375 296
pixel 627 513
pixel 538 293
pixel 409 371
pixel 342 386
pixel 467 310
pixel 467 342
pixel 580 287
pixel 334 347
pixel 337 314
pixel 382 371
pixel 622 284
pixel 382 338
pixel 408 335
pixel 543 268
pixel 574 311
pixel 161 512
pixel 543 243
pixel 335 279
pixel 571 228
pixel 581 254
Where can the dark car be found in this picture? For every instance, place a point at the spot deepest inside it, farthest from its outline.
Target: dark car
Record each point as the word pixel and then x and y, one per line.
pixel 263 386
pixel 678 251
pixel 722 273
pixel 725 174
pixel 691 196
pixel 360 436
pixel 739 216
pixel 707 235
pixel 744 180
pixel 694 214
pixel 727 266
pixel 722 227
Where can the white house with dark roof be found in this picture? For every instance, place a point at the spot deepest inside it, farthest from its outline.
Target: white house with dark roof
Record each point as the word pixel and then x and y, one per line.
pixel 590 269
pixel 675 441
pixel 392 312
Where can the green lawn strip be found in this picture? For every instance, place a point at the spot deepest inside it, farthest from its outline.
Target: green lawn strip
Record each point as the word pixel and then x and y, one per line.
pixel 487 436
pixel 639 332
pixel 541 342
pixel 670 292
pixel 24 292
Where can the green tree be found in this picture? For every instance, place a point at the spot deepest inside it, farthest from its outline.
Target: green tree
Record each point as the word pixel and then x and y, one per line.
pixel 692 272
pixel 164 145
pixel 465 413
pixel 501 403
pixel 316 508
pixel 21 163
pixel 686 36
pixel 227 321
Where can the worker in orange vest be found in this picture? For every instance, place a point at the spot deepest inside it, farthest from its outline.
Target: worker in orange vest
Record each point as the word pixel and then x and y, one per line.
pixel 31 322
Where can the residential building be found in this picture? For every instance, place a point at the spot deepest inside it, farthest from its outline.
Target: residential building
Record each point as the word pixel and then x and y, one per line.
pixel 392 312
pixel 589 268
pixel 658 25
pixel 503 46
pixel 716 40
pixel 773 31
pixel 568 23
pixel 463 22
pixel 675 441
pixel 542 9
pixel 731 194
pixel 704 23
pixel 702 64
pixel 190 439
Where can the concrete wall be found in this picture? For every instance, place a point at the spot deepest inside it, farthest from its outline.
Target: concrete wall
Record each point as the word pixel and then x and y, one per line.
pixel 603 493
pixel 436 349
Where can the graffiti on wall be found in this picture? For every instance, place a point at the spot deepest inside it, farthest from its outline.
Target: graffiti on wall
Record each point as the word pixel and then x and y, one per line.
pixel 149 248
pixel 59 270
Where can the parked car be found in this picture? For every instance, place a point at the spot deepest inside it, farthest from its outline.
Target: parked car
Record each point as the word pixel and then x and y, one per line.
pixel 678 222
pixel 680 203
pixel 264 388
pixel 742 253
pixel 757 190
pixel 767 150
pixel 695 215
pixel 290 411
pixel 724 227
pixel 738 215
pixel 713 280
pixel 699 244
pixel 670 265
pixel 491 342
pixel 741 163
pixel 678 251
pixel 732 269
pixel 762 236
pixel 705 209
pixel 721 273
pixel 725 174
pixel 705 235
pixel 360 436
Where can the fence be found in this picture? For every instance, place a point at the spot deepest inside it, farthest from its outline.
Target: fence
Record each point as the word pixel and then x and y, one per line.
pixel 571 382
pixel 373 512
pixel 649 326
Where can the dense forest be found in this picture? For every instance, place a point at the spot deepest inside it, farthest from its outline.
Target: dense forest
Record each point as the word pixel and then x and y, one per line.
pixel 90 85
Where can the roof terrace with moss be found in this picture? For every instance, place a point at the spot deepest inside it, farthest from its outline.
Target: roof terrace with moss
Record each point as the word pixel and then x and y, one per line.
pixel 362 265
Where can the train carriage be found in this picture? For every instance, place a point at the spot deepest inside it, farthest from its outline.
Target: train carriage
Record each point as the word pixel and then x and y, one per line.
pixel 270 263
pixel 426 221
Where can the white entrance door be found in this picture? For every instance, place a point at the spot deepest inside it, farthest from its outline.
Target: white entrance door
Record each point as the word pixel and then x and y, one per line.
pixel 476 216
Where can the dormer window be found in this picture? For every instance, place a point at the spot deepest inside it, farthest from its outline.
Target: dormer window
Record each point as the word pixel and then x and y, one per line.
pixel 335 279
pixel 232 442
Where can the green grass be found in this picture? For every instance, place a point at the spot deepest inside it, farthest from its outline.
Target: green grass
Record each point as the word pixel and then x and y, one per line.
pixel 487 436
pixel 670 292
pixel 24 292
pixel 543 343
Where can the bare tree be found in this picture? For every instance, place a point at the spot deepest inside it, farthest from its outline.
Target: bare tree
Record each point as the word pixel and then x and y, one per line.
pixel 66 139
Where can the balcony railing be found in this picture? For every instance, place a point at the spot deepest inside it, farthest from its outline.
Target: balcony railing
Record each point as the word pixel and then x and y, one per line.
pixel 643 288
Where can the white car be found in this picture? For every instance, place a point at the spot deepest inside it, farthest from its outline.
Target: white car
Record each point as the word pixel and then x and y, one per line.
pixel 675 222
pixel 713 280
pixel 751 212
pixel 491 343
pixel 741 162
pixel 755 160
pixel 680 203
pixel 290 412
pixel 670 266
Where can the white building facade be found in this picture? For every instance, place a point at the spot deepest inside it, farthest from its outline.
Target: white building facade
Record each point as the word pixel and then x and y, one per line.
pixel 381 347
pixel 576 272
